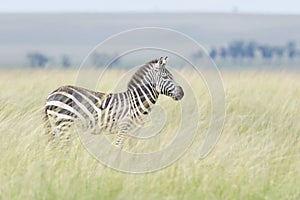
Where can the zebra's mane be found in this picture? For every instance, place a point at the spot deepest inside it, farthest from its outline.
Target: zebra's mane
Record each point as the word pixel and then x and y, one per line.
pixel 141 71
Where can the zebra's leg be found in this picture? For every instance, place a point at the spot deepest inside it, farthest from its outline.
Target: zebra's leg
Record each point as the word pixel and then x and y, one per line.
pixel 125 127
pixel 120 138
pixel 58 129
pixel 62 130
pixel 122 134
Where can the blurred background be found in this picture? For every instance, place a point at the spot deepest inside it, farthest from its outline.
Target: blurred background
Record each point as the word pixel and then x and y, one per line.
pixel 236 34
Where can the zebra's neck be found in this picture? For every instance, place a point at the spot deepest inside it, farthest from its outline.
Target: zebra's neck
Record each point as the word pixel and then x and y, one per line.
pixel 141 90
pixel 142 97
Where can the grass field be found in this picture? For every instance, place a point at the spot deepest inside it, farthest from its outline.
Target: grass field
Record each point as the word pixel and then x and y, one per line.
pixel 257 156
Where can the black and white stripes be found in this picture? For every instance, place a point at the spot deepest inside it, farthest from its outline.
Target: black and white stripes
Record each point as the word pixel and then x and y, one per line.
pixel 113 112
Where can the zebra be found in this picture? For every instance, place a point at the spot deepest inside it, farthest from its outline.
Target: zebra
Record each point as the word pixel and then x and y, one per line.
pixel 113 112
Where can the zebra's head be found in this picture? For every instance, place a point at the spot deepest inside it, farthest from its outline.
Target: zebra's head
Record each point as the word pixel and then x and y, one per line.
pixel 164 82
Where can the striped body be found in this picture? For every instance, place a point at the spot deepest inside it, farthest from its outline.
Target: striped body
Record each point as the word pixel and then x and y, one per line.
pixel 112 112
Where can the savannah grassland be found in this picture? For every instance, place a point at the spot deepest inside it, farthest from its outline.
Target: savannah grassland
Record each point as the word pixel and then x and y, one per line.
pixel 257 156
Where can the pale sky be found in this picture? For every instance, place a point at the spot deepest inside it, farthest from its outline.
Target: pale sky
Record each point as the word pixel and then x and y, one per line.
pixel 242 6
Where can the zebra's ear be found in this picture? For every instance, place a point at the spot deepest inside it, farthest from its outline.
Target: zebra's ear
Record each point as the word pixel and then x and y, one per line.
pixel 163 61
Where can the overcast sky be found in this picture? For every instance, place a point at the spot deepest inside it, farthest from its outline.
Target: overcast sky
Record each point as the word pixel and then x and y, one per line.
pixel 242 6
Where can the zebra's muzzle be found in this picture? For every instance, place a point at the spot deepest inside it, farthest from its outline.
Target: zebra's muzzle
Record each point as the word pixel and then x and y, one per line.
pixel 178 94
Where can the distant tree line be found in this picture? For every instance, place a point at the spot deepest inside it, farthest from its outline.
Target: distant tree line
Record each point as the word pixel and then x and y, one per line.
pixel 234 51
pixel 40 60
pixel 238 50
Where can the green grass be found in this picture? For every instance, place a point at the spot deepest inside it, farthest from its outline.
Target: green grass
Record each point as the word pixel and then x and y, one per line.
pixel 257 156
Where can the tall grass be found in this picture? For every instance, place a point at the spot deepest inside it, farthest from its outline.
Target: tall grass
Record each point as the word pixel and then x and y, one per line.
pixel 257 156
